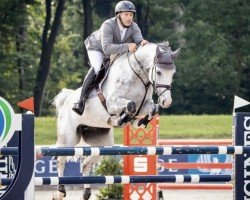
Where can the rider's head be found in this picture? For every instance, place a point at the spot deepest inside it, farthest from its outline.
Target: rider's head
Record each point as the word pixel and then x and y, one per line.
pixel 125 11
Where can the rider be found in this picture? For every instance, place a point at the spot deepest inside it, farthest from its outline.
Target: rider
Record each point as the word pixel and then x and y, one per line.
pixel 117 35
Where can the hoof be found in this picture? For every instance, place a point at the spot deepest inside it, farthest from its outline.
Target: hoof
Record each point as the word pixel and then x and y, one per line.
pixel 123 119
pixel 61 192
pixel 86 193
pixel 58 196
pixel 144 121
pixel 131 107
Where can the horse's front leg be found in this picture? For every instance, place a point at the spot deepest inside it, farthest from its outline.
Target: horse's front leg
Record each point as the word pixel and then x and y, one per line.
pixel 148 111
pixel 87 164
pixel 64 139
pixel 123 107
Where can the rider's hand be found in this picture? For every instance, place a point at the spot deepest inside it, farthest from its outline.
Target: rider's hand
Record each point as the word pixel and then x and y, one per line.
pixel 143 42
pixel 132 47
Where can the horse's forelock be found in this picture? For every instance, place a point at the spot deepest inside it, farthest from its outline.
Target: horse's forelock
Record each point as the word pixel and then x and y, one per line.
pixel 165 47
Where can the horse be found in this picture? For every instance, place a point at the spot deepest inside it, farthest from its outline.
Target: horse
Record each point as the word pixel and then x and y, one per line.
pixel 128 89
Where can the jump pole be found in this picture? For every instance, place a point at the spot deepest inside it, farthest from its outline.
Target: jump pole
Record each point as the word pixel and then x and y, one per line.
pixel 135 150
pixel 195 186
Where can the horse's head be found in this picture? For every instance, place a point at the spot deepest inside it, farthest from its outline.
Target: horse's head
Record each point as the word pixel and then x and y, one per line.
pixel 160 63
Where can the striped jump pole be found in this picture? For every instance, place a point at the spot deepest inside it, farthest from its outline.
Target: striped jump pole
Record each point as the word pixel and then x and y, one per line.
pixel 195 186
pixel 126 179
pixel 135 150
pixel 9 151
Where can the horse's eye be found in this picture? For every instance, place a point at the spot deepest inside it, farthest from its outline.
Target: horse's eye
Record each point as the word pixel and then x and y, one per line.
pixel 158 73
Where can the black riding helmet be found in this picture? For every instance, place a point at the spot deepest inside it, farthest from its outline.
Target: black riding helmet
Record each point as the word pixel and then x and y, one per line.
pixel 124 6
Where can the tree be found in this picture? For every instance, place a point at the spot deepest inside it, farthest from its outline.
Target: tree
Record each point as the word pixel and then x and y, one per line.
pixel 14 42
pixel 87 24
pixel 214 36
pixel 48 40
pixel 214 54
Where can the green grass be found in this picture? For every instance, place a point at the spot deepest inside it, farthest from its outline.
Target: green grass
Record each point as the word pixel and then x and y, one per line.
pixel 196 126
pixel 45 130
pixel 171 127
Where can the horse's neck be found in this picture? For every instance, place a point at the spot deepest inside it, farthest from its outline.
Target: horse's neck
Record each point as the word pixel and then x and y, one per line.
pixel 137 67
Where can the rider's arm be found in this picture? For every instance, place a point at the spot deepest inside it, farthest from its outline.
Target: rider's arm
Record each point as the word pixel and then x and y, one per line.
pixel 137 36
pixel 108 46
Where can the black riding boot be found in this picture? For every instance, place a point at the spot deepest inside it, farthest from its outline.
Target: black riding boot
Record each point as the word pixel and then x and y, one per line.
pixel 86 89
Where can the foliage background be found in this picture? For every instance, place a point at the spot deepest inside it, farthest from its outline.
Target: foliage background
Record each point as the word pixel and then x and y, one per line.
pixel 214 37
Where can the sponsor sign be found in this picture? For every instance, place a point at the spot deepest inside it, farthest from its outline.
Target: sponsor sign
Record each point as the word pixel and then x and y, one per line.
pixel 6 122
pixel 242 162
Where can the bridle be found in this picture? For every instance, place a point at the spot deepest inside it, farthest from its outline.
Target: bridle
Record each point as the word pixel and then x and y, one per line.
pixel 153 81
pixel 150 82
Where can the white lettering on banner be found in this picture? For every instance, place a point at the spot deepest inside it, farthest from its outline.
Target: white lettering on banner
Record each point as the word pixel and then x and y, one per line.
pixel 246 138
pixel 42 169
pixel 247 120
pixel 4 162
pixel 247 132
pixel 53 166
pixel 246 164
pixel 246 161
pixel 245 188
pixel 140 164
pixel 162 168
pixel 171 161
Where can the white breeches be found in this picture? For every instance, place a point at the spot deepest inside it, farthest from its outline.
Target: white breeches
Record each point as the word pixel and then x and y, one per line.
pixel 96 60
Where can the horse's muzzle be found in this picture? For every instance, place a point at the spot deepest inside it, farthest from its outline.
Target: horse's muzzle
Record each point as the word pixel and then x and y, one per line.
pixel 165 103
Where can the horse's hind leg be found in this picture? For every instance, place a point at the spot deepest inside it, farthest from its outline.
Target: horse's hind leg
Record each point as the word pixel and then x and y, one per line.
pixel 94 137
pixel 87 165
pixel 61 191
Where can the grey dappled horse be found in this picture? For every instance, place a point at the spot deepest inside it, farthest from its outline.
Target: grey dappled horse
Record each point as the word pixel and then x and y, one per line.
pixel 128 89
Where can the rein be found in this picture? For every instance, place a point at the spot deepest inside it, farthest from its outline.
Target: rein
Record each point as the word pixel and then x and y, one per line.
pixel 146 86
pixel 155 84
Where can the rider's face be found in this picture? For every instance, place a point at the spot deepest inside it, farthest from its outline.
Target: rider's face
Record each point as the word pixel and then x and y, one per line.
pixel 127 18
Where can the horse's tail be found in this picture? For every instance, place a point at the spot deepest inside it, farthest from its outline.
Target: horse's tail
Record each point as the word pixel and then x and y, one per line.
pixel 61 97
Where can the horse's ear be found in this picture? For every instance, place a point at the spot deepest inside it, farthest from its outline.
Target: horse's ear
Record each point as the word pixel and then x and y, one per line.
pixel 158 51
pixel 176 53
